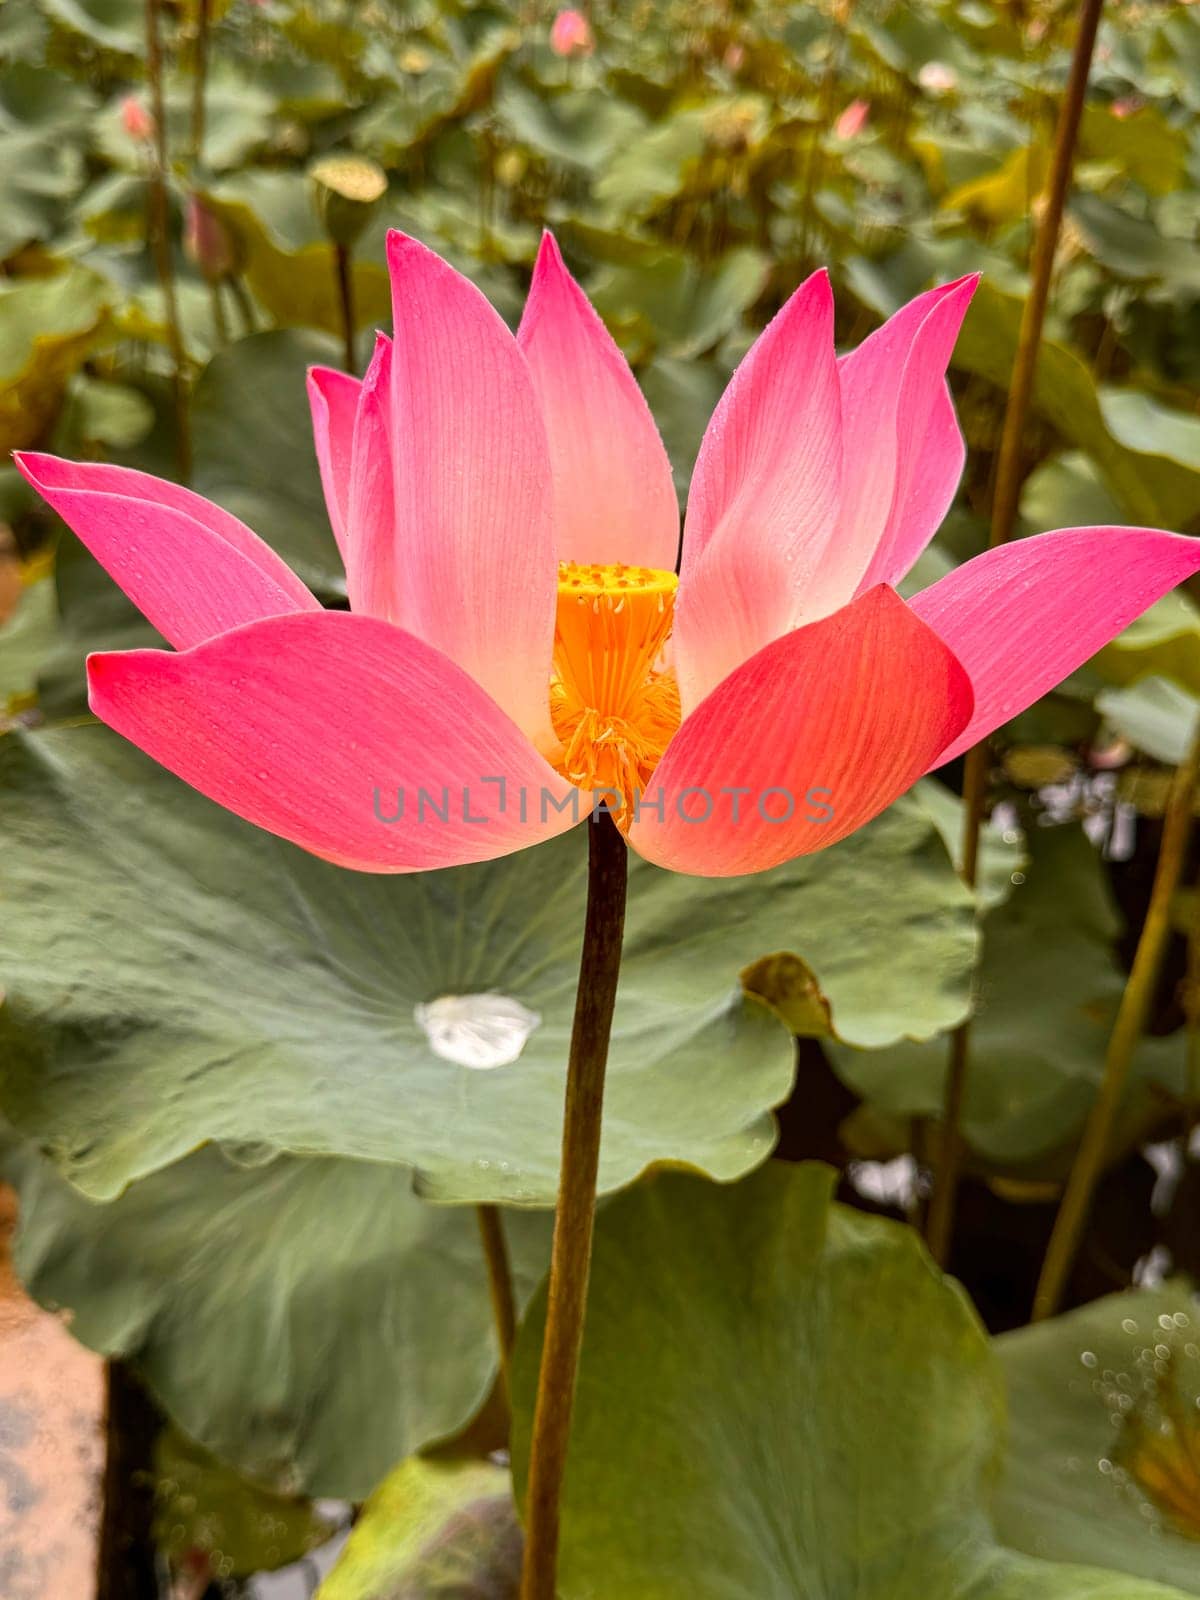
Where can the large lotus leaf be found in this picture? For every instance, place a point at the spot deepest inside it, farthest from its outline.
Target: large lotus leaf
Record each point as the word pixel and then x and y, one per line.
pixel 285 258
pixel 1067 492
pixel 1153 488
pixel 270 1304
pixel 174 975
pixel 579 127
pixel 41 163
pixel 1144 146
pixel 204 1510
pixel 1155 715
pixel 1049 985
pixel 813 1409
pixel 1132 247
pixel 1103 1458
pixel 26 637
pixel 253 445
pixel 669 304
pixel 1002 195
pixel 47 328
pixel 1163 642
pixel 433 1530
pixel 682 396
pixel 118 25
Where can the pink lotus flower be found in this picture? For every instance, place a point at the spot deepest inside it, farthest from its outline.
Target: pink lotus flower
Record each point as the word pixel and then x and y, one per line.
pixel 135 119
pixel 506 514
pixel 1127 107
pixel 853 119
pixel 571 34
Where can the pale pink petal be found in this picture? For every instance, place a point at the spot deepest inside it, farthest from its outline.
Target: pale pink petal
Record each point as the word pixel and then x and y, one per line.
pixel 373 578
pixel 907 455
pixel 1022 617
pixel 764 495
pixel 474 493
pixel 313 726
pixel 614 499
pixel 333 400
pixel 927 496
pixel 191 568
pixel 820 731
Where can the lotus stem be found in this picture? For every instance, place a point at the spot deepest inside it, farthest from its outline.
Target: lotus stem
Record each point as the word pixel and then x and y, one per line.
pixel 1131 1016
pixel 343 267
pixel 160 242
pixel 500 1287
pixel 574 1218
pixel 940 1225
pixel 126 1567
pixel 200 81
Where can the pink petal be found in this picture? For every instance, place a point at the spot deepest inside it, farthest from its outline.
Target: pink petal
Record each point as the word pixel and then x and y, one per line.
pixel 764 495
pixel 908 451
pixel 311 726
pixel 614 499
pixel 474 492
pixel 191 568
pixel 373 578
pixel 1023 617
pixel 333 400
pixel 832 722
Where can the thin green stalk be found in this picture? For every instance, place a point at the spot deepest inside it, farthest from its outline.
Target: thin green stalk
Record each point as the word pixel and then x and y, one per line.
pixel 343 267
pixel 160 242
pixel 500 1287
pixel 1131 1016
pixel 1006 498
pixel 571 1255
pixel 200 81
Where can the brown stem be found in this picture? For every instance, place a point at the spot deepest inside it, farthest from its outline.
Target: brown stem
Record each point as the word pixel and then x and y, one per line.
pixel 1004 513
pixel 571 1256
pixel 344 271
pixel 126 1565
pixel 1131 1015
pixel 500 1287
pixel 200 81
pixel 160 242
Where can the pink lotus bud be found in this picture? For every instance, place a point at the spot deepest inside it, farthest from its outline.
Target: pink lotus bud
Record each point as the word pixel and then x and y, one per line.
pixel 853 119
pixel 1128 106
pixel 135 119
pixel 571 34
pixel 208 242
pixel 935 77
pixel 735 57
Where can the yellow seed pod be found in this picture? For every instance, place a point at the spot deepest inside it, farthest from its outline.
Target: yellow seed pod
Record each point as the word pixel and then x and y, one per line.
pixel 346 190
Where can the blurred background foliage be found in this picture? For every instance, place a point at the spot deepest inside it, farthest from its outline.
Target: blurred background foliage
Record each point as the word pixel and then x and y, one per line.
pixel 696 160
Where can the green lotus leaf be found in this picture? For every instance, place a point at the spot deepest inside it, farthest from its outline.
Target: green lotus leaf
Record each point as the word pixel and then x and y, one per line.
pixel 1164 642
pixel 433 1530
pixel 1039 1036
pixel 812 1407
pixel 47 328
pixel 26 638
pixel 252 439
pixel 669 303
pixel 579 127
pixel 286 260
pixel 174 975
pixel 1151 487
pixel 271 1303
pixel 1103 1459
pixel 204 1510
pixel 1155 715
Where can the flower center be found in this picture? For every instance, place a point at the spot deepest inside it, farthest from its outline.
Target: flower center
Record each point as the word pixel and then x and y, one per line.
pixel 613 703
